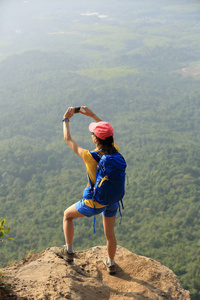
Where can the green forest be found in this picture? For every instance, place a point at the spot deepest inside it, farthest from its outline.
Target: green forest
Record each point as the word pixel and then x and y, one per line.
pixel 137 66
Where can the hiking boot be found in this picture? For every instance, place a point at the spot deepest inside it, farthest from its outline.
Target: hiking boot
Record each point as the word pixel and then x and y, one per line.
pixel 110 268
pixel 62 252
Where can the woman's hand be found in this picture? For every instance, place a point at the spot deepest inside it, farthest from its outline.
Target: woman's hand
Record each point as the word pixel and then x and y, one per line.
pixel 86 111
pixel 69 113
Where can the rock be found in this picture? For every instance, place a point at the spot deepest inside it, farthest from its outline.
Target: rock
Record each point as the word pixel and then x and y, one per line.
pixel 137 277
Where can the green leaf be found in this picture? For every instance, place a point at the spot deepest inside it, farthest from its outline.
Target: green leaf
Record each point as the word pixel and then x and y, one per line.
pixel 8 230
pixel 11 239
pixel 2 222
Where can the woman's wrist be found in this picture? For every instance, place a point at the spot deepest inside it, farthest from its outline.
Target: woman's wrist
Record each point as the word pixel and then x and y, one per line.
pixel 65 119
pixel 66 116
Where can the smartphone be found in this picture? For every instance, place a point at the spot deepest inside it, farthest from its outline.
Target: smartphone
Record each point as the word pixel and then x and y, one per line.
pixel 77 109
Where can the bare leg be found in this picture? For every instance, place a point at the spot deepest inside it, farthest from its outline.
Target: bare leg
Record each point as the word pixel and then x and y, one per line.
pixel 68 227
pixel 108 223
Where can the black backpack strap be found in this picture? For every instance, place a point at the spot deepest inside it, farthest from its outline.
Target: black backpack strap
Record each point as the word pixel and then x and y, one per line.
pixel 120 210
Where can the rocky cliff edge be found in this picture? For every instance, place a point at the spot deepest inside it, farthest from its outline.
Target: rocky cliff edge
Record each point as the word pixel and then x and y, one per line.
pixel 44 276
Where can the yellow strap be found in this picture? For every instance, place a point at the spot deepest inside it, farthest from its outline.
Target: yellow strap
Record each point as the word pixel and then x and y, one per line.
pixel 90 203
pixel 102 180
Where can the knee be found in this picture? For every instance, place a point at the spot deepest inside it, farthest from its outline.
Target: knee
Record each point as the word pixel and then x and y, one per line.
pixel 66 215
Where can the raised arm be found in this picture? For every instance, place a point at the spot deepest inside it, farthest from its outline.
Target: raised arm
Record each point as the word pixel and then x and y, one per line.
pixel 88 112
pixel 66 132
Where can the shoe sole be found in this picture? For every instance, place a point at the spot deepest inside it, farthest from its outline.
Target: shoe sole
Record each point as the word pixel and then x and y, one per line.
pixel 109 271
pixel 63 257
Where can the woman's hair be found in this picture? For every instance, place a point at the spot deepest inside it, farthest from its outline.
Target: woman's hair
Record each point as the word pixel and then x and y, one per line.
pixel 107 144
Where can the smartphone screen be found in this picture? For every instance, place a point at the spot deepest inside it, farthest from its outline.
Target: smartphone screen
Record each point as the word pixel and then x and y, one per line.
pixel 77 109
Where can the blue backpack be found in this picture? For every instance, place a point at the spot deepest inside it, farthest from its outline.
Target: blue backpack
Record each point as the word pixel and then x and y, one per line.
pixel 109 186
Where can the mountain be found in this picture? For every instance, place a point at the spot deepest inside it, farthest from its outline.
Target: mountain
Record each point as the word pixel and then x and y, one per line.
pixel 136 65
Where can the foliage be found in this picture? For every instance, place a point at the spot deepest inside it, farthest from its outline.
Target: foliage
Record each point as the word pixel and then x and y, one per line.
pixel 4 232
pixel 2 284
pixel 130 71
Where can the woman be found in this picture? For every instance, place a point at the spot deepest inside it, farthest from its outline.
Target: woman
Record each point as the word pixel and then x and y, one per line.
pixel 102 136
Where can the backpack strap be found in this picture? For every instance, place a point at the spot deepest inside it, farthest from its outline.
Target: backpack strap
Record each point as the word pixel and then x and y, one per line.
pixel 94 223
pixel 120 210
pixel 96 155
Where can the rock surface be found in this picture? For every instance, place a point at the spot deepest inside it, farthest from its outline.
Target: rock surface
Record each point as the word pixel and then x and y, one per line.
pixel 45 276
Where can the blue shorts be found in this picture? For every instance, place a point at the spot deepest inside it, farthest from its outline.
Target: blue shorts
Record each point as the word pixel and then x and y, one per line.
pixel 107 211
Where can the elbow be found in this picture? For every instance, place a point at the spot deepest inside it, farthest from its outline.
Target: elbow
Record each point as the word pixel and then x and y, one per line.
pixel 67 139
